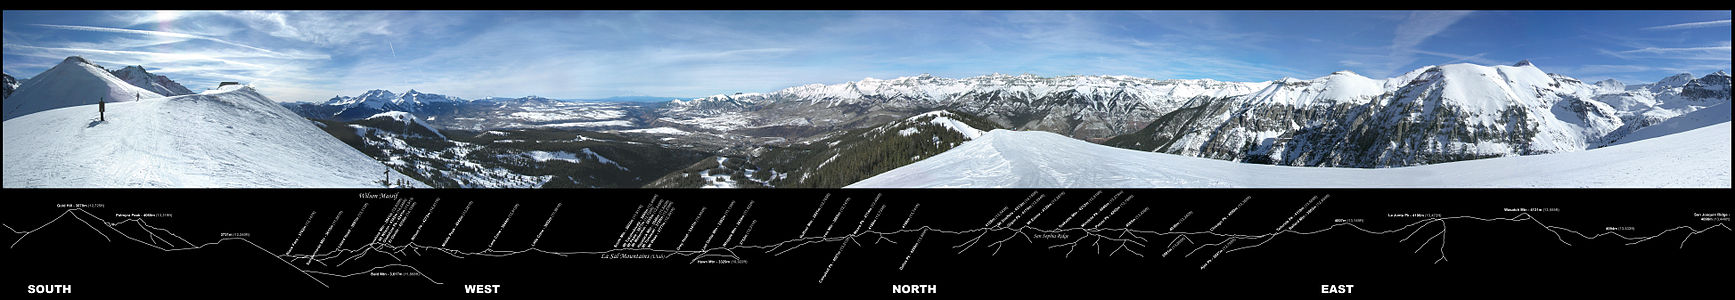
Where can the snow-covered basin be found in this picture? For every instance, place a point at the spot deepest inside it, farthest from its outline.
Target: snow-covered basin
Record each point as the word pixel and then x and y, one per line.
pixel 1033 159
pixel 230 139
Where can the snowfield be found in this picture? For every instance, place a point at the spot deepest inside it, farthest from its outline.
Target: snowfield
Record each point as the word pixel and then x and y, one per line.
pixel 233 139
pixel 1697 158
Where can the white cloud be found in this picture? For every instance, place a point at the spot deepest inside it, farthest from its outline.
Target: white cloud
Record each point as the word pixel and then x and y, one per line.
pixel 318 28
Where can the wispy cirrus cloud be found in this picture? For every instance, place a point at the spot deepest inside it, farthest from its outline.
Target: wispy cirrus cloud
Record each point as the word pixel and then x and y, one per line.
pixel 1718 52
pixel 1478 58
pixel 176 35
pixel 1415 29
pixel 1692 25
pixel 1655 50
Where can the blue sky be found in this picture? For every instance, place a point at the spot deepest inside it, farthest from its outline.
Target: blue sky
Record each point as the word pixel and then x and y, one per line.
pixel 313 55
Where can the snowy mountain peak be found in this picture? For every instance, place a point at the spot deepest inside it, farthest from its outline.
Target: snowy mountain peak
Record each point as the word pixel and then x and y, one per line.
pixel 1611 84
pixel 137 76
pixel 1522 63
pixel 77 60
pixel 1719 76
pixel 1674 81
pixel 132 69
pixel 378 94
pixel 416 97
pixel 377 101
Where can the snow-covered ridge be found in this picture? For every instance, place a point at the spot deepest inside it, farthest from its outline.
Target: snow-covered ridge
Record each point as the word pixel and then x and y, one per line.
pixel 943 119
pixel 234 139
pixel 407 118
pixel 1030 159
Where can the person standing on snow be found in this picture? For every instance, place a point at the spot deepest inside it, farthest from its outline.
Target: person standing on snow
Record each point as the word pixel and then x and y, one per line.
pixel 101 109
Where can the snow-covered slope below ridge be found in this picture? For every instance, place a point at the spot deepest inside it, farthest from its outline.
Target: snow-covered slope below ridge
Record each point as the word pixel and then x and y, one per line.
pixel 71 83
pixel 233 139
pixel 1014 159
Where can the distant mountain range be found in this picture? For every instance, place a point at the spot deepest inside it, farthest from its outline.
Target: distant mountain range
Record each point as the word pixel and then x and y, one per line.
pixel 1431 115
pixel 630 99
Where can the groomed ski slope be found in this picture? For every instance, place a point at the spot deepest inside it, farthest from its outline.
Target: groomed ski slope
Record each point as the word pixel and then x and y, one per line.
pixel 227 139
pixel 1032 159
